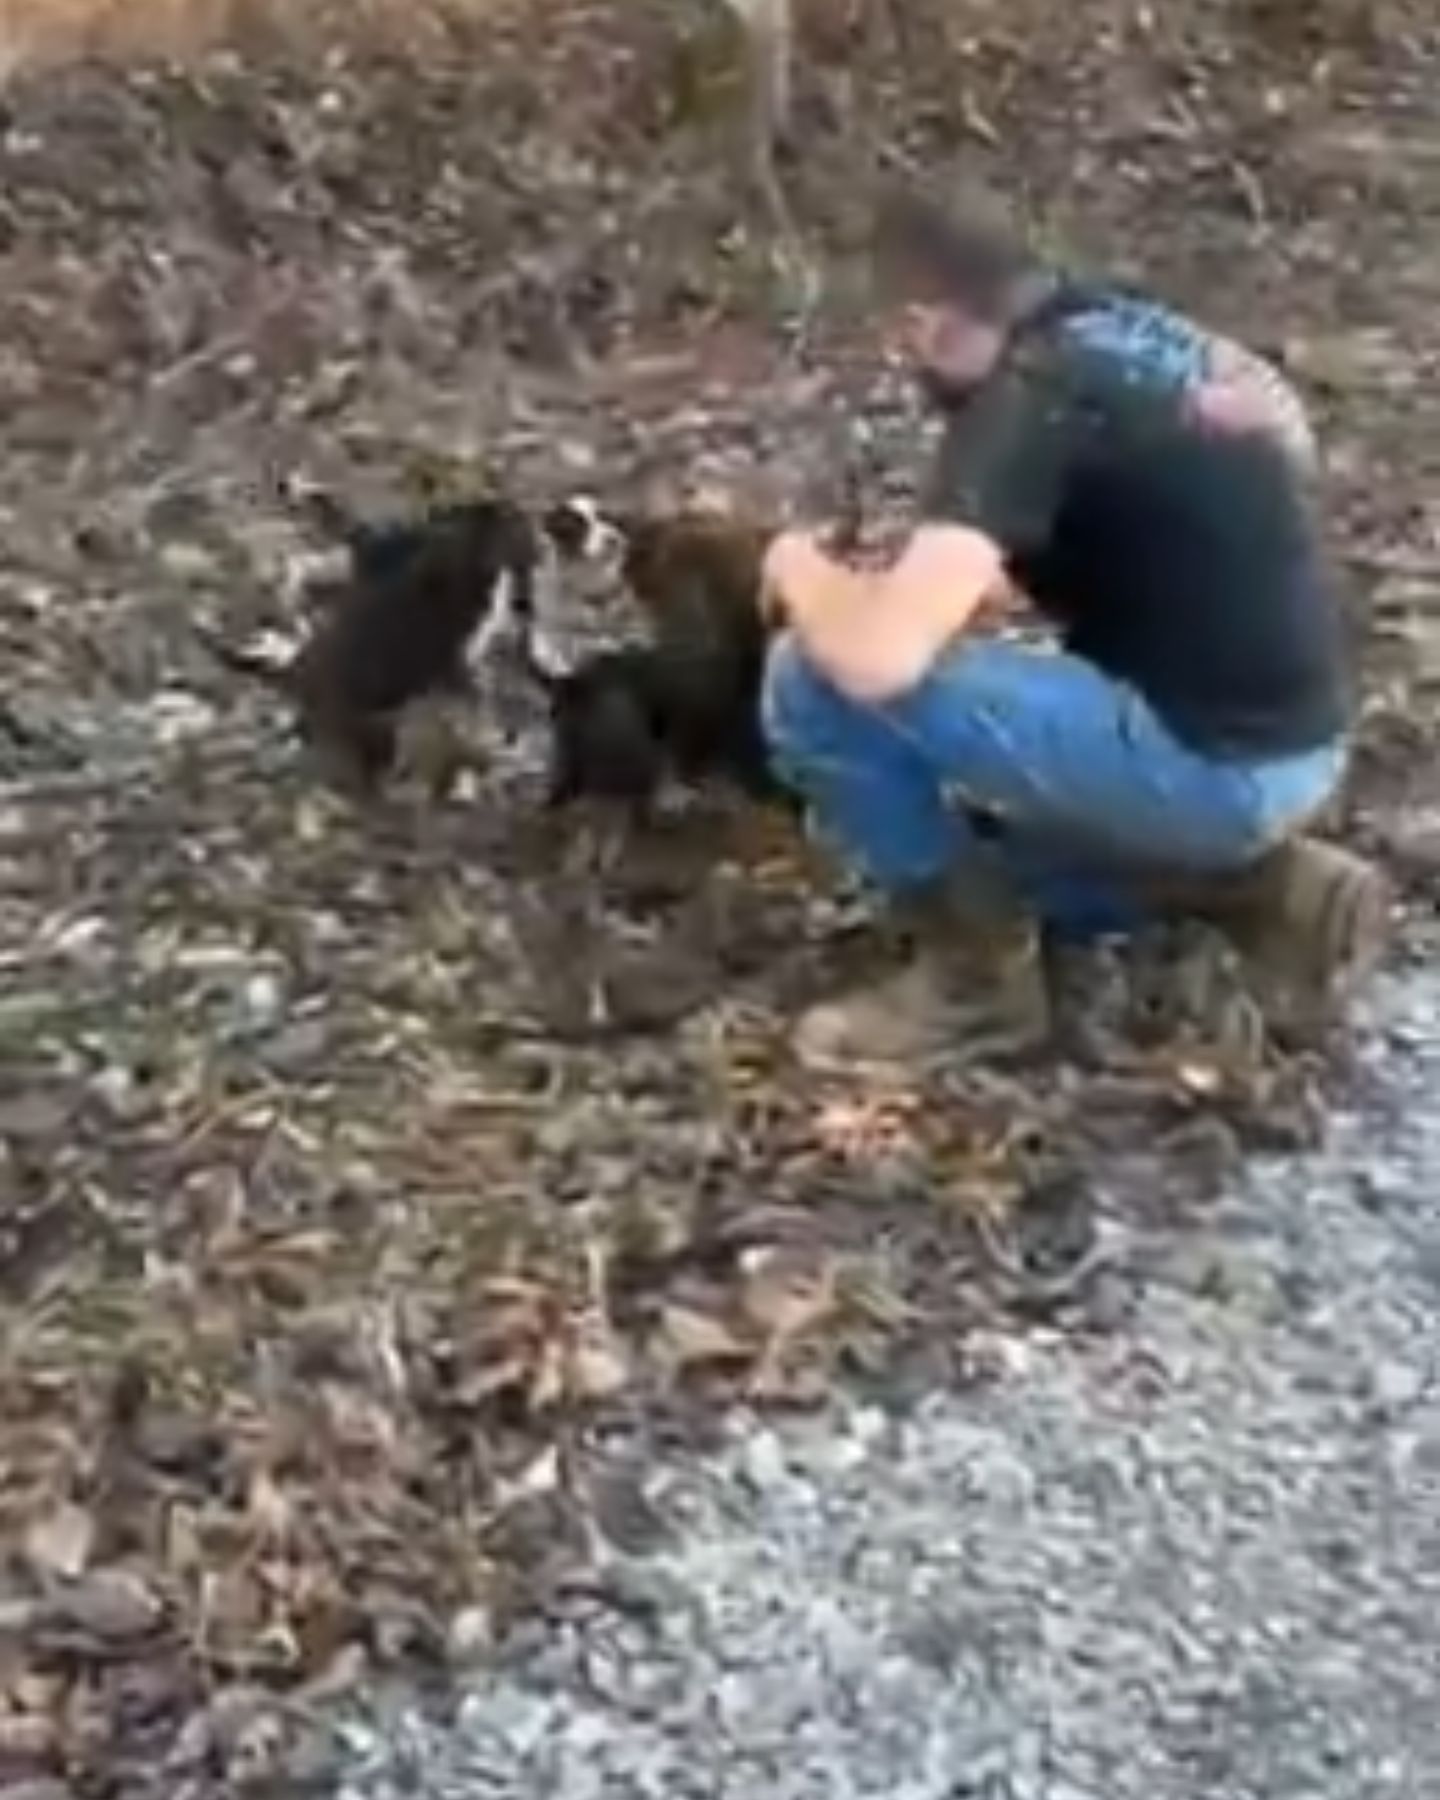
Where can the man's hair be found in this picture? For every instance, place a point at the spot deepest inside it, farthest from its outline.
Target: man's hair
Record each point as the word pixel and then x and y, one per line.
pixel 968 253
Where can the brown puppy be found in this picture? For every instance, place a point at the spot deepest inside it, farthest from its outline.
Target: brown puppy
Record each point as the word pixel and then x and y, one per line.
pixel 424 603
pixel 697 576
pixel 688 702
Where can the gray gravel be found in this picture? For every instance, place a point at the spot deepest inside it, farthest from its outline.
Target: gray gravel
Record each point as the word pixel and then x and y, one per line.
pixel 1199 1557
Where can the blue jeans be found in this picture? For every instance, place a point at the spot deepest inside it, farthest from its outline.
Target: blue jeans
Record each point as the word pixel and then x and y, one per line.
pixel 1081 777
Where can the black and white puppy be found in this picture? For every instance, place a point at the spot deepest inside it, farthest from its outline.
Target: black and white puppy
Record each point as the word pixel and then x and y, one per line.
pixel 587 545
pixel 425 601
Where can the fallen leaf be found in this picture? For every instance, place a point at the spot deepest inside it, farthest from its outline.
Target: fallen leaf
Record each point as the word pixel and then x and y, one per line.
pixel 547 1380
pixel 541 1475
pixel 269 1511
pixel 599 1367
pixel 344 1672
pixel 60 1543
pixel 42 1788
pixel 26 1738
pixel 686 1337
pixel 785 1292
pixel 111 1606
pixel 33 1116
pixel 1200 1078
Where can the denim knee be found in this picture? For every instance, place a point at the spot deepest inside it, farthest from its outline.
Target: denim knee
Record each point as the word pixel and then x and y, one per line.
pixel 796 703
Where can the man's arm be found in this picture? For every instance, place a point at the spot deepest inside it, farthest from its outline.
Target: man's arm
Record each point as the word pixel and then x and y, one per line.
pixel 1002 470
pixel 876 633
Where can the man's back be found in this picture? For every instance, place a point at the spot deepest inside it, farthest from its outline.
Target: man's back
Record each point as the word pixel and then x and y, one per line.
pixel 1181 559
pixel 1188 564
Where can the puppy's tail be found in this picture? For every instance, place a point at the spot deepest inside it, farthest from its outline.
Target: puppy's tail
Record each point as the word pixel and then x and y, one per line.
pixel 273 667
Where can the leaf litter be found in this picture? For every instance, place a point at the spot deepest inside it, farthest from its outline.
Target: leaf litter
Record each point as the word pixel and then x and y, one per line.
pixel 361 1174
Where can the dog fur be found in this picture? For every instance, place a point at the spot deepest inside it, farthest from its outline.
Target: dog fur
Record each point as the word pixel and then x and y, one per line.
pixel 425 601
pixel 587 546
pixel 687 702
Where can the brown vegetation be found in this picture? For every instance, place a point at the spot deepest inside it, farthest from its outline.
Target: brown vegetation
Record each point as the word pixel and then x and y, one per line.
pixel 330 1216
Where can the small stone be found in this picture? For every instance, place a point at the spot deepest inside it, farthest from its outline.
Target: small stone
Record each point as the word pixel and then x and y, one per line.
pixel 298 1046
pixel 263 1000
pixel 1396 1386
pixel 471 1637
pixel 189 562
pixel 32 1116
pixel 624 1511
pixel 869 1425
pixel 764 1461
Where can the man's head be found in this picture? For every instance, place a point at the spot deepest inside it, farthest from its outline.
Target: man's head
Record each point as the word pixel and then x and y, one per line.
pixel 954 282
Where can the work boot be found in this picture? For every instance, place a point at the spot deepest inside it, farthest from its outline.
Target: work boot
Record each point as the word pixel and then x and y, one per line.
pixel 974 986
pixel 1310 922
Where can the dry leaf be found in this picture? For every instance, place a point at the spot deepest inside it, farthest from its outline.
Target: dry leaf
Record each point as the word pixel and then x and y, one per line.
pixel 41 1788
pixel 344 1672
pixel 233 1613
pixel 859 1129
pixel 33 1692
pixel 547 1380
pixel 270 1513
pixel 541 1475
pixel 1200 1078
pixel 110 1606
pixel 183 1539
pixel 687 1337
pixel 18 1617
pixel 599 1367
pixel 485 1383
pixel 26 1738
pixel 786 1292
pixel 60 1543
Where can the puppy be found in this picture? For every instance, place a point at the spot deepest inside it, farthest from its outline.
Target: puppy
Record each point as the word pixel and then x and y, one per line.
pixel 626 718
pixel 696 575
pixel 360 550
pixel 686 703
pixel 587 546
pixel 424 605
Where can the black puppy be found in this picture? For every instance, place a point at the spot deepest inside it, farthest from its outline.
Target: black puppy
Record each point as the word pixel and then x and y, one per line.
pixel 423 605
pixel 625 718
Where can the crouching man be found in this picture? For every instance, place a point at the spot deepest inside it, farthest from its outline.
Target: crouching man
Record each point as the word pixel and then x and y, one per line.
pixel 1143 483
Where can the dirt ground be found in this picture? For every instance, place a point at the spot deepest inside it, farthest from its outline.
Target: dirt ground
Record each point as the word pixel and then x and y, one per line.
pixel 335 1217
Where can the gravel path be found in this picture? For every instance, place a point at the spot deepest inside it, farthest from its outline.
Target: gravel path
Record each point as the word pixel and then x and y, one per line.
pixel 1198 1557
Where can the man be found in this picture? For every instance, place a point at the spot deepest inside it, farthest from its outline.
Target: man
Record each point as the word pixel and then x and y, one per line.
pixel 1144 485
